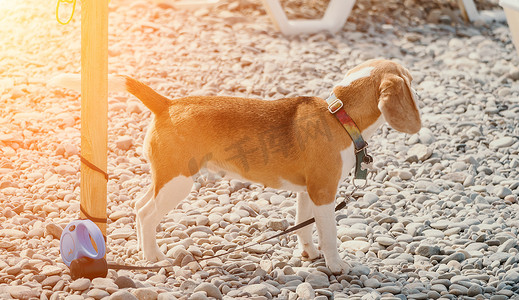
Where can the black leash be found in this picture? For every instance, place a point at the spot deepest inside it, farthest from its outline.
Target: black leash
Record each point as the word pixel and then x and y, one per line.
pixel 284 232
pixel 155 267
pixel 93 268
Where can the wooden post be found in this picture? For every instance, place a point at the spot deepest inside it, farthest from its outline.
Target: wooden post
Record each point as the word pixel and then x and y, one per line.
pixel 94 107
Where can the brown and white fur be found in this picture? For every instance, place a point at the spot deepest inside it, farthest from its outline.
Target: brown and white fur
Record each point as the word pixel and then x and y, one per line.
pixel 189 134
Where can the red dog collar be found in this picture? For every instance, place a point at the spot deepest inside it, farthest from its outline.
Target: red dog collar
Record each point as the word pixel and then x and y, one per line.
pixel 335 106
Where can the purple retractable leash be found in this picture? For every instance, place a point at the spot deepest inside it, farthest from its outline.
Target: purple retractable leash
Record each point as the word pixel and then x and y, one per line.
pixel 82 248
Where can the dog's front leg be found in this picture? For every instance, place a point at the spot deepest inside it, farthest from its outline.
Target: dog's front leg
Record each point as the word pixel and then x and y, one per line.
pixel 304 235
pixel 327 230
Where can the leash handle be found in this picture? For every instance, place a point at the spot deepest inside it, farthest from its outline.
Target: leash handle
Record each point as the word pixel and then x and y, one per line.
pixel 81 238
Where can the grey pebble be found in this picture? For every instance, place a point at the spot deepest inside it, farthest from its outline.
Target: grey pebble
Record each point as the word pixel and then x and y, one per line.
pixel 97 294
pixel 201 295
pixel 305 291
pixel 439 288
pixel 124 282
pixel 427 250
pixel 499 297
pixel 392 289
pixel 273 290
pixel 278 224
pixel 422 152
pixel 210 289
pixel 458 290
pixel 474 290
pixel 237 184
pixel 21 292
pixel 167 296
pixel 256 289
pixel 54 230
pixel 385 240
pixel 433 295
pixel 359 270
pixel 317 280
pixel 324 292
pixel 512 275
pixel 502 142
pixel 104 283
pixel 372 283
pixel 74 297
pixel 122 295
pixel 501 191
pixel 14 270
pixel 145 294
pixel 457 256
pixel 80 284
pixel 51 280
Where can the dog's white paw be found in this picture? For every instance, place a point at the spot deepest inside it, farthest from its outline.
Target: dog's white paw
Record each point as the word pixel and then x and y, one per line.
pixel 309 251
pixel 338 266
pixel 154 254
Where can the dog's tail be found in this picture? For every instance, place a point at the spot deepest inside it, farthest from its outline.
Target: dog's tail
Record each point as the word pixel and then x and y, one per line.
pixel 118 83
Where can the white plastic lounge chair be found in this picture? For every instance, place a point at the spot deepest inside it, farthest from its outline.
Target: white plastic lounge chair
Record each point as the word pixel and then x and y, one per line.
pixel 511 8
pixel 470 13
pixel 333 20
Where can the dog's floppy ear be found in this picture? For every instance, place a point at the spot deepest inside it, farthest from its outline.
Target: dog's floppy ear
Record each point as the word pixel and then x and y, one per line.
pixel 397 105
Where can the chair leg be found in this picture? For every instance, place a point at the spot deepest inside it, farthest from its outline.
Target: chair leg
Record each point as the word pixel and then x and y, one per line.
pixel 468 10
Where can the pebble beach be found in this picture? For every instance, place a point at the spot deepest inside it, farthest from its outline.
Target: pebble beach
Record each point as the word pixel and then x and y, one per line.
pixel 439 219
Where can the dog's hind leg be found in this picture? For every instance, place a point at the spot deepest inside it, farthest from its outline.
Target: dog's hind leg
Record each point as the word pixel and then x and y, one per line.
pixel 153 211
pixel 304 235
pixel 138 206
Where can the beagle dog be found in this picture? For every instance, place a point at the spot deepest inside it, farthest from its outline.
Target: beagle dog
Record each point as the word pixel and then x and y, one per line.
pixel 294 144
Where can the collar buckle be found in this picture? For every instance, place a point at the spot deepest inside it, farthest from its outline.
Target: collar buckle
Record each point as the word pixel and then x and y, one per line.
pixel 335 106
pixel 363 148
